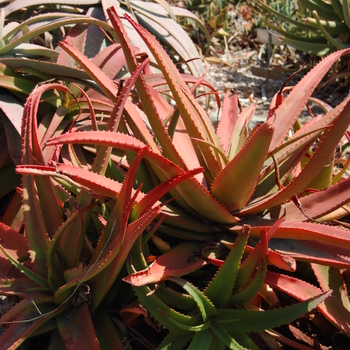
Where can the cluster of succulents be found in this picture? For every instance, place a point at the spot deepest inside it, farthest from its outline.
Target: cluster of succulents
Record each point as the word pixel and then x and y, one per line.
pixel 129 211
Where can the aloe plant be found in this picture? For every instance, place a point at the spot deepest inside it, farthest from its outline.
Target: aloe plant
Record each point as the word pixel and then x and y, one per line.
pixel 126 184
pixel 324 29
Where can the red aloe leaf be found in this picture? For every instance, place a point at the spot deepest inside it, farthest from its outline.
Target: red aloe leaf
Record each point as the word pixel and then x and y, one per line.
pixel 178 261
pixel 153 196
pixel 327 201
pixel 331 278
pixel 75 37
pixel 32 150
pixel 235 184
pixel 91 182
pixel 119 217
pixel 110 60
pixel 312 251
pixel 104 138
pixel 110 264
pixel 147 101
pixel 306 231
pixel 287 113
pixel 195 119
pixel 194 196
pixel 228 119
pixel 24 319
pixel 109 88
pixel 240 132
pixel 20 287
pixel 76 328
pixel 330 308
pixel 16 245
pixel 321 156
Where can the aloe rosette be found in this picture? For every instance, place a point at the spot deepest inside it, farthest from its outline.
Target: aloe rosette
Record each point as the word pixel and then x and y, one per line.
pixel 126 183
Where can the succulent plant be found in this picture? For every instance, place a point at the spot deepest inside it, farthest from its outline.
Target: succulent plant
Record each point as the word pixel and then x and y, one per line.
pixel 126 184
pixel 325 29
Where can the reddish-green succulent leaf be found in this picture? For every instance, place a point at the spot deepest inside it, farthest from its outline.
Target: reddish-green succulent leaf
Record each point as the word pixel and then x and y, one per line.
pixel 228 119
pixel 194 195
pixel 76 327
pixel 15 244
pixel 25 270
pixel 21 287
pixel 331 308
pixel 313 251
pixel 26 320
pixel 178 261
pixel 252 288
pixel 321 156
pixel 327 201
pixel 235 184
pixel 331 278
pixel 287 113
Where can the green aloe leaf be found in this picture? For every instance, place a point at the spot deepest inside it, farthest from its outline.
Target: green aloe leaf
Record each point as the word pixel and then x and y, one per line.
pixel 205 306
pixel 220 288
pixel 201 340
pixel 253 321
pixel 225 337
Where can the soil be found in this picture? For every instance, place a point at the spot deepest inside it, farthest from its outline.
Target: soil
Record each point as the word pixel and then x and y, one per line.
pixel 233 62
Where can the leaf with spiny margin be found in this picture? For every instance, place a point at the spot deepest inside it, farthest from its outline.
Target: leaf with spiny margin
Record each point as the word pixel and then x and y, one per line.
pixel 220 288
pixel 42 215
pixel 174 298
pixel 331 278
pixel 197 123
pixel 119 216
pixel 307 231
pixel 25 319
pixel 161 311
pixel 253 321
pixel 250 290
pixel 321 156
pixel 332 309
pixel 155 194
pixel 106 84
pixel 327 201
pixel 110 254
pixel 175 341
pixel 54 276
pixel 194 195
pixel 228 120
pixel 248 265
pixel 92 182
pixel 206 308
pixel 178 261
pixel 201 340
pixel 14 242
pixel 287 113
pixel 235 184
pixel 25 270
pixel 76 328
pixel 22 287
pixel 225 337
pixel 146 98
